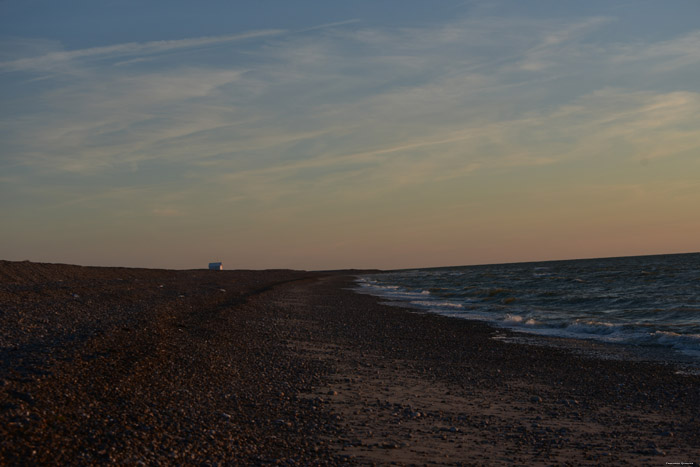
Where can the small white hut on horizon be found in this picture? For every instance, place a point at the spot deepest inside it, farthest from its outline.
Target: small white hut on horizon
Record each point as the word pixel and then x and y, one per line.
pixel 216 266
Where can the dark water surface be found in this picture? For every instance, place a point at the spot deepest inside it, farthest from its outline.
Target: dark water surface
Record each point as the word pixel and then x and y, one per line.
pixel 644 302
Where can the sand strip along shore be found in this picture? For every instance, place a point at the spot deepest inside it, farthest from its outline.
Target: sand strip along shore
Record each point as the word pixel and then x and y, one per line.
pixel 136 366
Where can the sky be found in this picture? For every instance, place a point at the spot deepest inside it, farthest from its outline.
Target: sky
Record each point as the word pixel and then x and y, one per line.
pixel 363 134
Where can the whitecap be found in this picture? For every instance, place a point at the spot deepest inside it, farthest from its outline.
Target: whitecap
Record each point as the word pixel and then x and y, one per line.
pixel 436 304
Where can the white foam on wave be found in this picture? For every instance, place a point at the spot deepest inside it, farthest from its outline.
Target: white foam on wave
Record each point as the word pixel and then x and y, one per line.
pixel 686 343
pixel 522 320
pixel 385 287
pixel 645 334
pixel 436 304
pixel 374 285
pixel 391 292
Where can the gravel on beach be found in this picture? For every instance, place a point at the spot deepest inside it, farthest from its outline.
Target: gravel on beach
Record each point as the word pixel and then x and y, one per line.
pixel 161 367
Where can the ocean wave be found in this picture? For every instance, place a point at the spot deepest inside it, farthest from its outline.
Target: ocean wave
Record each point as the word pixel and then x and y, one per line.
pixel 517 319
pixel 385 287
pixel 436 304
pixel 687 343
pixel 606 300
pixel 593 327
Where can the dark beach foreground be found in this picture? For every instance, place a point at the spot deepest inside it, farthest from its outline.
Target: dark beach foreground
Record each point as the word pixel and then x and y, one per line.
pixel 136 366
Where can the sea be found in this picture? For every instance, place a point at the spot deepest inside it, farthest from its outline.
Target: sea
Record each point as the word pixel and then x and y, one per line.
pixel 646 307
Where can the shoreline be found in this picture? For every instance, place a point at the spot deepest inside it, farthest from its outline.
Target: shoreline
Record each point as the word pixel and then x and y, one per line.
pixel 527 405
pixel 591 347
pixel 156 366
pixel 540 302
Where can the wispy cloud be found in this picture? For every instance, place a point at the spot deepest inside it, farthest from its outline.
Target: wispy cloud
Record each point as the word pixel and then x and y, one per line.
pixel 561 44
pixel 57 59
pixel 349 109
pixel 469 123
pixel 665 56
pixel 643 126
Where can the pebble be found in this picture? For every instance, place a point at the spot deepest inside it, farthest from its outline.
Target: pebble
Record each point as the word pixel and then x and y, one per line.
pixel 218 390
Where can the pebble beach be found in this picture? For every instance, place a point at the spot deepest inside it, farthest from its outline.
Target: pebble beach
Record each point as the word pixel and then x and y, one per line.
pixel 281 367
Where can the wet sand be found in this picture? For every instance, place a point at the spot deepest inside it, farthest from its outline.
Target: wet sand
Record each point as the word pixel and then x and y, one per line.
pixel 109 365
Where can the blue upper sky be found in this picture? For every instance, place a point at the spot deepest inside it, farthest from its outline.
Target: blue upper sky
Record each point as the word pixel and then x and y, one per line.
pixel 347 134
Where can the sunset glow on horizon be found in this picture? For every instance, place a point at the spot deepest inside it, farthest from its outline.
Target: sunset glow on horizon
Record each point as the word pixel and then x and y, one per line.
pixel 309 135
